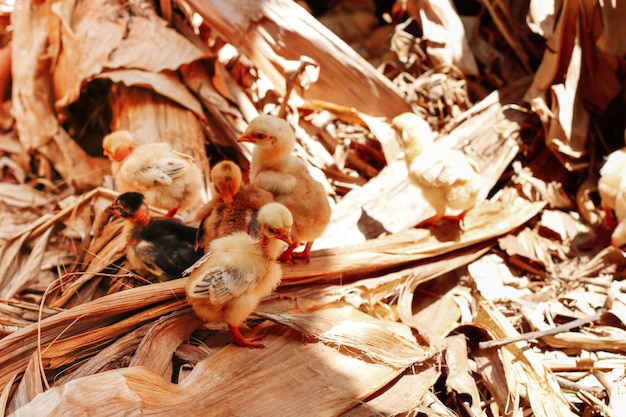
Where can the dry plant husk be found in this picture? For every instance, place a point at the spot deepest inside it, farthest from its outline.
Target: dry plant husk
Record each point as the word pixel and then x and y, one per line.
pixel 470 317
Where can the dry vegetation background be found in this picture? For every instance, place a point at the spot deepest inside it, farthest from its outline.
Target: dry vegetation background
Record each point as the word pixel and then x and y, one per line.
pixel 517 311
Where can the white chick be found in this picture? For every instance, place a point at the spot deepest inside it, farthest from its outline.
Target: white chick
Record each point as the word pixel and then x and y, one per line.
pixel 612 181
pixel 449 179
pixel 234 206
pixel 168 179
pixel 274 168
pixel 236 272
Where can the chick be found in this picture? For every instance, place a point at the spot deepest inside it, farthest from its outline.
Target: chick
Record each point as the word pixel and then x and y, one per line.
pixel 618 236
pixel 162 247
pixel 612 181
pixel 274 168
pixel 168 179
pixel 233 208
pixel 449 180
pixel 237 271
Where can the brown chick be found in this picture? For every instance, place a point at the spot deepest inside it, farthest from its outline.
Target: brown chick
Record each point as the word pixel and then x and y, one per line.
pixel 236 272
pixel 168 179
pixel 448 178
pixel 274 168
pixel 234 207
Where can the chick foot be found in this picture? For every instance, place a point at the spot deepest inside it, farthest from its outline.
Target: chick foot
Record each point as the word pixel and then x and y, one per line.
pixel 288 255
pixel 171 213
pixel 305 254
pixel 239 340
pixel 609 218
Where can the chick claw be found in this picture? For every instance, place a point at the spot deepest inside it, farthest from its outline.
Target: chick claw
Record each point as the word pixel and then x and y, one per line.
pixel 288 254
pixel 171 213
pixel 239 340
pixel 305 254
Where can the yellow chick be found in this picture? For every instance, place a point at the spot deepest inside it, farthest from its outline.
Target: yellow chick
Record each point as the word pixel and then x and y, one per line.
pixel 236 272
pixel 612 181
pixel 274 168
pixel 448 178
pixel 234 207
pixel 618 236
pixel 168 179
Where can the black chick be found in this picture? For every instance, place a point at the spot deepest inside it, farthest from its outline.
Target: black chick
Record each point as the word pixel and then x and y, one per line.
pixel 163 247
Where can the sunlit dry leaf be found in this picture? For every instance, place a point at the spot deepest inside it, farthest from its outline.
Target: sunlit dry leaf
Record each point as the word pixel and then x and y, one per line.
pixel 4 397
pixel 459 379
pixel 435 310
pixel 618 396
pixel 260 31
pixel 165 84
pixel 409 393
pixel 558 225
pixel 541 17
pixel 116 36
pixel 382 341
pixel 22 196
pixel 28 269
pixel 536 189
pixel 158 345
pixel 495 280
pixel 521 250
pixel 445 33
pixel 523 368
pixel 116 355
pixel 285 359
pixel 30 385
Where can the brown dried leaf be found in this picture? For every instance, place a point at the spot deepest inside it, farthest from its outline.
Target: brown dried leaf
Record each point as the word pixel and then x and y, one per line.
pixel 261 33
pixel 524 371
pixel 30 385
pixel 446 41
pixel 284 360
pixel 382 341
pixel 158 345
pixel 459 377
pixel 102 35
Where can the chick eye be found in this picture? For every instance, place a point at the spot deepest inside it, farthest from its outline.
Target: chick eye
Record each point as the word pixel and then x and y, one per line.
pixel 272 230
pixel 259 135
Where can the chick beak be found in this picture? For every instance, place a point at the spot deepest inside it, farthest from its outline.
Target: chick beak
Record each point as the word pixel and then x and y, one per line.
pixel 285 236
pixel 112 210
pixel 246 138
pixel 228 200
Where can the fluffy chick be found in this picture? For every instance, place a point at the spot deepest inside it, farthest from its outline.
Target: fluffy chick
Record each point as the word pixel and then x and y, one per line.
pixel 234 207
pixel 236 272
pixel 449 180
pixel 168 179
pixel 162 247
pixel 611 183
pixel 274 168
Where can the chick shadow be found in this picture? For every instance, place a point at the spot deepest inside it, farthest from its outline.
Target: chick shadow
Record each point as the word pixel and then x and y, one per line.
pixel 370 227
pixel 445 230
